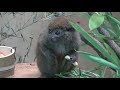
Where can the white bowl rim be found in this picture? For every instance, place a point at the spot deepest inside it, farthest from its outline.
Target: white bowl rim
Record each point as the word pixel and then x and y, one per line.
pixel 13 51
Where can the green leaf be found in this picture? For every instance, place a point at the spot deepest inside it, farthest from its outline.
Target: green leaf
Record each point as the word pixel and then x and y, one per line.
pixel 112 53
pixel 91 40
pixel 86 14
pixel 97 34
pixel 95 21
pixel 114 23
pixel 114 19
pixel 108 13
pixel 109 30
pixel 109 49
pixel 98 60
pixel 101 71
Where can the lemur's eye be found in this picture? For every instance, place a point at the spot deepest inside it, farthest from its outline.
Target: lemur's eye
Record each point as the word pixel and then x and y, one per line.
pixel 57 32
pixel 50 31
pixel 68 29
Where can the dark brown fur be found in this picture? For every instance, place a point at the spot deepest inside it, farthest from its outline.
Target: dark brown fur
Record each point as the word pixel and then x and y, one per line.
pixel 50 55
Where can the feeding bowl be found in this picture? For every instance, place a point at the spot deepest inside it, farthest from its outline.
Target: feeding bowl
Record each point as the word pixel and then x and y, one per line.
pixel 7 61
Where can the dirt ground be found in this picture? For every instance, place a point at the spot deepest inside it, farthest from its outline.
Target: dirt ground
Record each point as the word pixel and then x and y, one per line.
pixel 26 70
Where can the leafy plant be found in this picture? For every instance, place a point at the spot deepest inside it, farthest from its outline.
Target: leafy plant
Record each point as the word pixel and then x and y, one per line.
pixel 105 26
pixel 95 21
pixel 79 73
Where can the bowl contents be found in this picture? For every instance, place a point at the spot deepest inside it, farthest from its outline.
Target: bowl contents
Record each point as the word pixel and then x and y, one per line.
pixel 1 54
